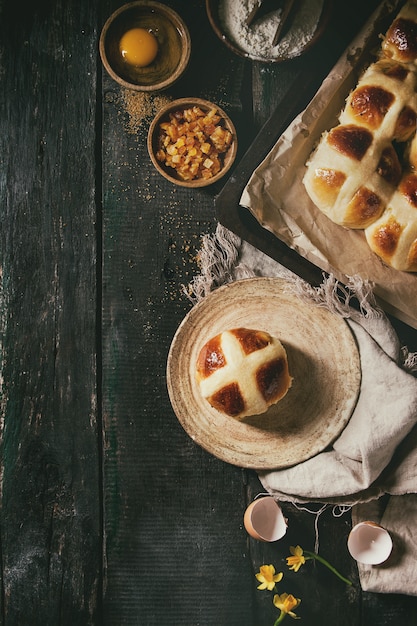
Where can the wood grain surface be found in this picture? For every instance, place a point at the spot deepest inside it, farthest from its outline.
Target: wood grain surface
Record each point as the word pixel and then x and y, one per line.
pixel 51 532
pixel 110 514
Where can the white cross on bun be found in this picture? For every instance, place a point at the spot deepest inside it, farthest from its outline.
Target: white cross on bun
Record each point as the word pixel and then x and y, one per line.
pixel 242 372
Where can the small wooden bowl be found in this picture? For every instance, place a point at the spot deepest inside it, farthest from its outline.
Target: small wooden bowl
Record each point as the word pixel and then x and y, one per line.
pixel 284 53
pixel 174 46
pixel 154 141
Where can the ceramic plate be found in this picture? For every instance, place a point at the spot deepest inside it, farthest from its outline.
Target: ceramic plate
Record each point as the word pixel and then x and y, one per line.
pixel 323 359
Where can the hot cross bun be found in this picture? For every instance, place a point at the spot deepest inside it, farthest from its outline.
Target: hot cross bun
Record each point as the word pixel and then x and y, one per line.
pixel 400 42
pixel 242 372
pixel 394 235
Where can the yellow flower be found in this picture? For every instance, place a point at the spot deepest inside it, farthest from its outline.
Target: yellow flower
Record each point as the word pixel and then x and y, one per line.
pixel 300 556
pixel 286 603
pixel 297 559
pixel 267 577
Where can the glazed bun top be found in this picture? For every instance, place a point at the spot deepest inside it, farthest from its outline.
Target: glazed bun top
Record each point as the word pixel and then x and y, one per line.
pixel 242 372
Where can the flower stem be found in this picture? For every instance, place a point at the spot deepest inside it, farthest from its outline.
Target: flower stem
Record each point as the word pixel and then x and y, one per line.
pixel 313 555
pixel 280 618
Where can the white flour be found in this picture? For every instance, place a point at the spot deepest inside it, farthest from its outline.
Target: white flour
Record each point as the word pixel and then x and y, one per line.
pixel 256 41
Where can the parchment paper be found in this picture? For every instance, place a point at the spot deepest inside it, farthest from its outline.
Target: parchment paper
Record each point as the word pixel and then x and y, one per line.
pixel 277 198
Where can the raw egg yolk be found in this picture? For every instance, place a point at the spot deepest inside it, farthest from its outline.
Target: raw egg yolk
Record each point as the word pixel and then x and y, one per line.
pixel 138 47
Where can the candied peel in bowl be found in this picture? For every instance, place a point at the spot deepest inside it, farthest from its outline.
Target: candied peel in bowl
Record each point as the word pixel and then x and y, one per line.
pixel 193 143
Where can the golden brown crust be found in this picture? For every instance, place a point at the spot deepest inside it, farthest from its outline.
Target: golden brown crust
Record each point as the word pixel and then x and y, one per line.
pixel 405 126
pixel 211 358
pixel 412 255
pixel 327 183
pixel 385 239
pixel 369 104
pixel 350 140
pixel 251 340
pixel 272 379
pixel 364 208
pixel 392 69
pixel 401 40
pixel 408 187
pixel 393 236
pixel 389 166
pixel 228 399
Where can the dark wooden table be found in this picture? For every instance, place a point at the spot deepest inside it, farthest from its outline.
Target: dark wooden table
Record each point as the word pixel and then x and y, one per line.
pixel 110 513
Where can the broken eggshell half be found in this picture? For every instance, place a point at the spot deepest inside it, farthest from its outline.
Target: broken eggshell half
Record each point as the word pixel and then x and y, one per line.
pixel 369 543
pixel 264 520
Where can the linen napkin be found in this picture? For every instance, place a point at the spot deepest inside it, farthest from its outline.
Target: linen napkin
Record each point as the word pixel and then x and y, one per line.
pixel 375 456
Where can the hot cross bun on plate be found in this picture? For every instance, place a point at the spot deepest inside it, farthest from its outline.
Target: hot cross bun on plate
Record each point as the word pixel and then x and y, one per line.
pixel 242 372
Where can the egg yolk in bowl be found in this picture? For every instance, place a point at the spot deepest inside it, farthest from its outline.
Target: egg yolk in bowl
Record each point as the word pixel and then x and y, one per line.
pixel 138 47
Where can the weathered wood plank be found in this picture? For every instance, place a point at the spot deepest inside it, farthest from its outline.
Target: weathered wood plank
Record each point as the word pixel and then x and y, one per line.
pixel 50 499
pixel 176 549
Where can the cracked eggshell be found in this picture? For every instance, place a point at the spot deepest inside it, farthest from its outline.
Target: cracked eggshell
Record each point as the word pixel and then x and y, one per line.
pixel 369 543
pixel 264 520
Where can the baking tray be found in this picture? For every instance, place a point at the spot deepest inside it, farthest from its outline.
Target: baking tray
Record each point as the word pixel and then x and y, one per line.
pixel 238 218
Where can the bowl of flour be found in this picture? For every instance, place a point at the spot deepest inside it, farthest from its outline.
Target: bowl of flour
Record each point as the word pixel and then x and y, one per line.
pixel 228 20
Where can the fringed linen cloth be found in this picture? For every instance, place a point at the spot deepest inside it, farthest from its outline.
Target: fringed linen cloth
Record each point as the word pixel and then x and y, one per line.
pixel 373 463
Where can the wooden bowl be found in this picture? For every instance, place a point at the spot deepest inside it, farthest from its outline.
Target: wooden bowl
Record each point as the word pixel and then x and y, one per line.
pixel 288 48
pixel 174 46
pixel 154 141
